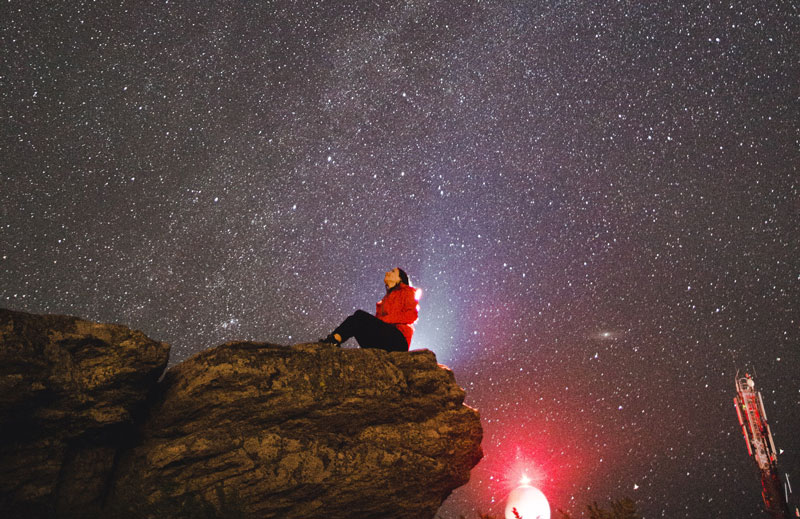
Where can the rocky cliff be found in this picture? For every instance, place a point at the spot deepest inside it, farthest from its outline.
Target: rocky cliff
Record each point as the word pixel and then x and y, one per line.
pixel 280 432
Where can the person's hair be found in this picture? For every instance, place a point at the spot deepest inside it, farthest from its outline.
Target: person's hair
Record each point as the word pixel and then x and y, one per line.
pixel 403 276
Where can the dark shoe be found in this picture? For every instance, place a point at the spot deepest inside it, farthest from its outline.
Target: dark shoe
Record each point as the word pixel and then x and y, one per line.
pixel 330 340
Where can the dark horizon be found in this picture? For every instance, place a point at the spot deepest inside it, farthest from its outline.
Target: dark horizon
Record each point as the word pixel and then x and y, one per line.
pixel 599 202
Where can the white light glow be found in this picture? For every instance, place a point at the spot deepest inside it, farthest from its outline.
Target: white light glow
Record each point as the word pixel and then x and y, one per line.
pixel 529 503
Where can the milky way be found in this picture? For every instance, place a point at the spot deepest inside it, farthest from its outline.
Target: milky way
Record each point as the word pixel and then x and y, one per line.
pixel 599 201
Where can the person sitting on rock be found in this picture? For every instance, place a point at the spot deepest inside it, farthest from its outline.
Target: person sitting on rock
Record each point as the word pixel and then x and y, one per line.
pixel 392 325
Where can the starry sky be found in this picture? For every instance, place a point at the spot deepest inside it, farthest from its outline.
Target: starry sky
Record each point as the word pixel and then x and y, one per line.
pixel 599 200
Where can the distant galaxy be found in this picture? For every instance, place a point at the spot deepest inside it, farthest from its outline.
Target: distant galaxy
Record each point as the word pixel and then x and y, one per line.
pixel 599 201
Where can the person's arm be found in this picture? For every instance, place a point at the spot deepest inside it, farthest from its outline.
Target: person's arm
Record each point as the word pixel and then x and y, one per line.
pixel 406 311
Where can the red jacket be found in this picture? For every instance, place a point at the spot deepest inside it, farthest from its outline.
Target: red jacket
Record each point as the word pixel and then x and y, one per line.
pixel 399 307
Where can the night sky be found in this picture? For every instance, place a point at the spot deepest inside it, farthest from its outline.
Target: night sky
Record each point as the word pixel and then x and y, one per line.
pixel 599 200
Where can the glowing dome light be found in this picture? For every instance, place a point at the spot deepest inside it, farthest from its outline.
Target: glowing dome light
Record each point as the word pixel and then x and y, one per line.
pixel 525 480
pixel 529 502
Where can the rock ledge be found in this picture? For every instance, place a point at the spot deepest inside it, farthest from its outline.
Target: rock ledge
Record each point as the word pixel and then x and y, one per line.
pixel 304 431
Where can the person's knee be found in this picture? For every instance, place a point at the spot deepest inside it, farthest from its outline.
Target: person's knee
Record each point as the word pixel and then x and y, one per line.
pixel 361 314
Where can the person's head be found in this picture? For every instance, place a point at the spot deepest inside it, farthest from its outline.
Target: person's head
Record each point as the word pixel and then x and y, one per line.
pixel 395 276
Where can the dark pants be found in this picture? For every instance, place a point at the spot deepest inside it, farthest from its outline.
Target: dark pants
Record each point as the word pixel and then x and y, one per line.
pixel 371 332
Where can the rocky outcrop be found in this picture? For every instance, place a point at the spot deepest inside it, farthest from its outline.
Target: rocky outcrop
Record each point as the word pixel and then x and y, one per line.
pixel 309 431
pixel 305 431
pixel 69 392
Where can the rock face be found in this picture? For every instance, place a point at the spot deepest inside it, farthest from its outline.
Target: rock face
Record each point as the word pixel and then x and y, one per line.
pixel 69 389
pixel 307 431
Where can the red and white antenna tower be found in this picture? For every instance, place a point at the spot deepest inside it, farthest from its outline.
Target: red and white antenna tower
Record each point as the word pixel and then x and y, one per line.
pixel 761 447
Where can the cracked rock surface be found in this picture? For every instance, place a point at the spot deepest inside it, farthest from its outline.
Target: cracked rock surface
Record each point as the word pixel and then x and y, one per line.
pixel 305 431
pixel 308 431
pixel 69 393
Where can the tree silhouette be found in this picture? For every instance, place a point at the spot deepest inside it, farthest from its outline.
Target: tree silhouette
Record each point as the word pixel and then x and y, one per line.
pixel 624 508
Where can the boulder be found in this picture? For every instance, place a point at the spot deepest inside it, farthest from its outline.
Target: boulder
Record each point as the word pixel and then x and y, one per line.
pixel 307 431
pixel 70 391
pixel 245 429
